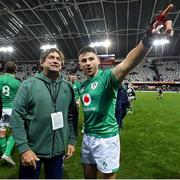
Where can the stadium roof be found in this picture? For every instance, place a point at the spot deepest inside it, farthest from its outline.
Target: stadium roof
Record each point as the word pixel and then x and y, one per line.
pixel 71 24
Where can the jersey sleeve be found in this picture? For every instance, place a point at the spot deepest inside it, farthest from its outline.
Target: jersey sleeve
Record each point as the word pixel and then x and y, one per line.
pixel 111 81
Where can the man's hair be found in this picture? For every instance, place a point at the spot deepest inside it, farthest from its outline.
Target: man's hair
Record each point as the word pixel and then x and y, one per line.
pixel 10 67
pixel 44 55
pixel 87 49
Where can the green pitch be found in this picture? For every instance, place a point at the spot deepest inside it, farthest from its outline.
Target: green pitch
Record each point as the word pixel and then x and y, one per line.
pixel 150 142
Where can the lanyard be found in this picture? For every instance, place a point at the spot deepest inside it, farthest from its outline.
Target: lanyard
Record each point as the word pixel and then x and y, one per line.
pixel 54 98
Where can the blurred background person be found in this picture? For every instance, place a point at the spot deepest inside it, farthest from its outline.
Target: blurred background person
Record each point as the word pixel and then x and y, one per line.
pixel 8 88
pixel 160 93
pixel 121 104
pixel 131 97
pixel 75 84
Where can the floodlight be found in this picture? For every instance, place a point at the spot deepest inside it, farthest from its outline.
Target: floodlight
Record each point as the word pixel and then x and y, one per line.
pixel 6 49
pixel 105 43
pixel 161 42
pixel 48 46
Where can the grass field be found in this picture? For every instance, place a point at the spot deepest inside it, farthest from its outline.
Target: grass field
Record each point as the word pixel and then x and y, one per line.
pixel 150 142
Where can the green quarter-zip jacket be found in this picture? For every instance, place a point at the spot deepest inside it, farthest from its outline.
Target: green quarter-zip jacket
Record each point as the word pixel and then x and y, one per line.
pixel 37 98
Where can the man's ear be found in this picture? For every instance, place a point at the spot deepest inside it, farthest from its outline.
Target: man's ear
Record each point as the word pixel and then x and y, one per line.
pixel 62 63
pixel 79 65
pixel 41 64
pixel 98 61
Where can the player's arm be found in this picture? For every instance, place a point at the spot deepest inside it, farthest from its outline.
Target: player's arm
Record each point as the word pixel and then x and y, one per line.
pixel 136 55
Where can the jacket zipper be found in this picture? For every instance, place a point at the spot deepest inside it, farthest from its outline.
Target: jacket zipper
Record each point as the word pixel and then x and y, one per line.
pixel 53 92
pixel 54 105
pixel 54 131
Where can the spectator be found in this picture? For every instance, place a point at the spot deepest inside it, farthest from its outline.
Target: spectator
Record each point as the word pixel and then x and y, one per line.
pixel 131 97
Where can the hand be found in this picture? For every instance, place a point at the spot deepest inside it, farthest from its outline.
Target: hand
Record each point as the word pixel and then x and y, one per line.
pixel 29 158
pixel 159 27
pixel 70 151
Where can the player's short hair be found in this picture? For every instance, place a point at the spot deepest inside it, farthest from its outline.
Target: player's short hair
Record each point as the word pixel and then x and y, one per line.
pixel 10 67
pixel 87 49
pixel 44 55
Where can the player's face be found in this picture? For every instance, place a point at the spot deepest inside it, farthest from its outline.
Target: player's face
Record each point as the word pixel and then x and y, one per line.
pixel 52 63
pixel 89 63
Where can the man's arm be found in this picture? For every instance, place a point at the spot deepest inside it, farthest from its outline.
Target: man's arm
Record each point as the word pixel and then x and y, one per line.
pixel 136 55
pixel 17 118
pixel 28 157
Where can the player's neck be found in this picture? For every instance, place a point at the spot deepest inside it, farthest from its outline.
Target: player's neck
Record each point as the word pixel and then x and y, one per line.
pixel 95 74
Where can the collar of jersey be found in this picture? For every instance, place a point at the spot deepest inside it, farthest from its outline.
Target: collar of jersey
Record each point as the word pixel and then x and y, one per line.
pixel 96 76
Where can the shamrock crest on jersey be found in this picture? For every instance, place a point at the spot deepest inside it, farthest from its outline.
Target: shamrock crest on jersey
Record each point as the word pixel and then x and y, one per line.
pixel 86 99
pixel 82 89
pixel 94 85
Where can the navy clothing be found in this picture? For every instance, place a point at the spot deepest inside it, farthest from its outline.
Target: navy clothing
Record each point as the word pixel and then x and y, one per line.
pixel 121 104
pixel 53 169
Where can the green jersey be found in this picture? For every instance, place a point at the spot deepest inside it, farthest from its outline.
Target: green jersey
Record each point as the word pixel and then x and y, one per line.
pixel 98 97
pixel 76 85
pixel 8 88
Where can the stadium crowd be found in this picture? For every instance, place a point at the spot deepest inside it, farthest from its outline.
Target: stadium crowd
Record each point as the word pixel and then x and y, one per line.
pixel 167 71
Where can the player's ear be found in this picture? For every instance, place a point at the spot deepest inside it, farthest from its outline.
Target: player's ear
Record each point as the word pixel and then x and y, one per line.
pixel 80 67
pixel 98 60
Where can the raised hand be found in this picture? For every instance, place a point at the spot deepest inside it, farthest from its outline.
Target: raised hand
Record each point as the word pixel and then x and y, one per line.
pixel 161 26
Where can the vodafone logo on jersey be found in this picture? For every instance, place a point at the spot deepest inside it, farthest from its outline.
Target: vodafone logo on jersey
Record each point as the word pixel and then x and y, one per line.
pixel 86 99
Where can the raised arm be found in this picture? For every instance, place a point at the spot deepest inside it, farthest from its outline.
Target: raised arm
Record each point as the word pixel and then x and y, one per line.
pixel 136 55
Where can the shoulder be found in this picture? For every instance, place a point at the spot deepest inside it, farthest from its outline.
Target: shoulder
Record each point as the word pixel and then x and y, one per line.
pixel 65 82
pixel 103 75
pixel 28 81
pixel 17 80
pixel 107 72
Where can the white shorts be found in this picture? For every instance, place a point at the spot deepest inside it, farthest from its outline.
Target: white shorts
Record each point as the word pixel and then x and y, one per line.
pixel 5 120
pixel 104 152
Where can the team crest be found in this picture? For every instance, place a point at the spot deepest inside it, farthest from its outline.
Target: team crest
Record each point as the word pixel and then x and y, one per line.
pixel 82 90
pixel 94 85
pixel 86 99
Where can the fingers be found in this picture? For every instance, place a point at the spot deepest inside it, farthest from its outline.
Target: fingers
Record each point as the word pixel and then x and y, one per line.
pixel 70 151
pixel 36 158
pixel 34 164
pixel 167 10
pixel 34 161
pixel 29 158
pixel 161 19
pixel 162 25
pixel 169 30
